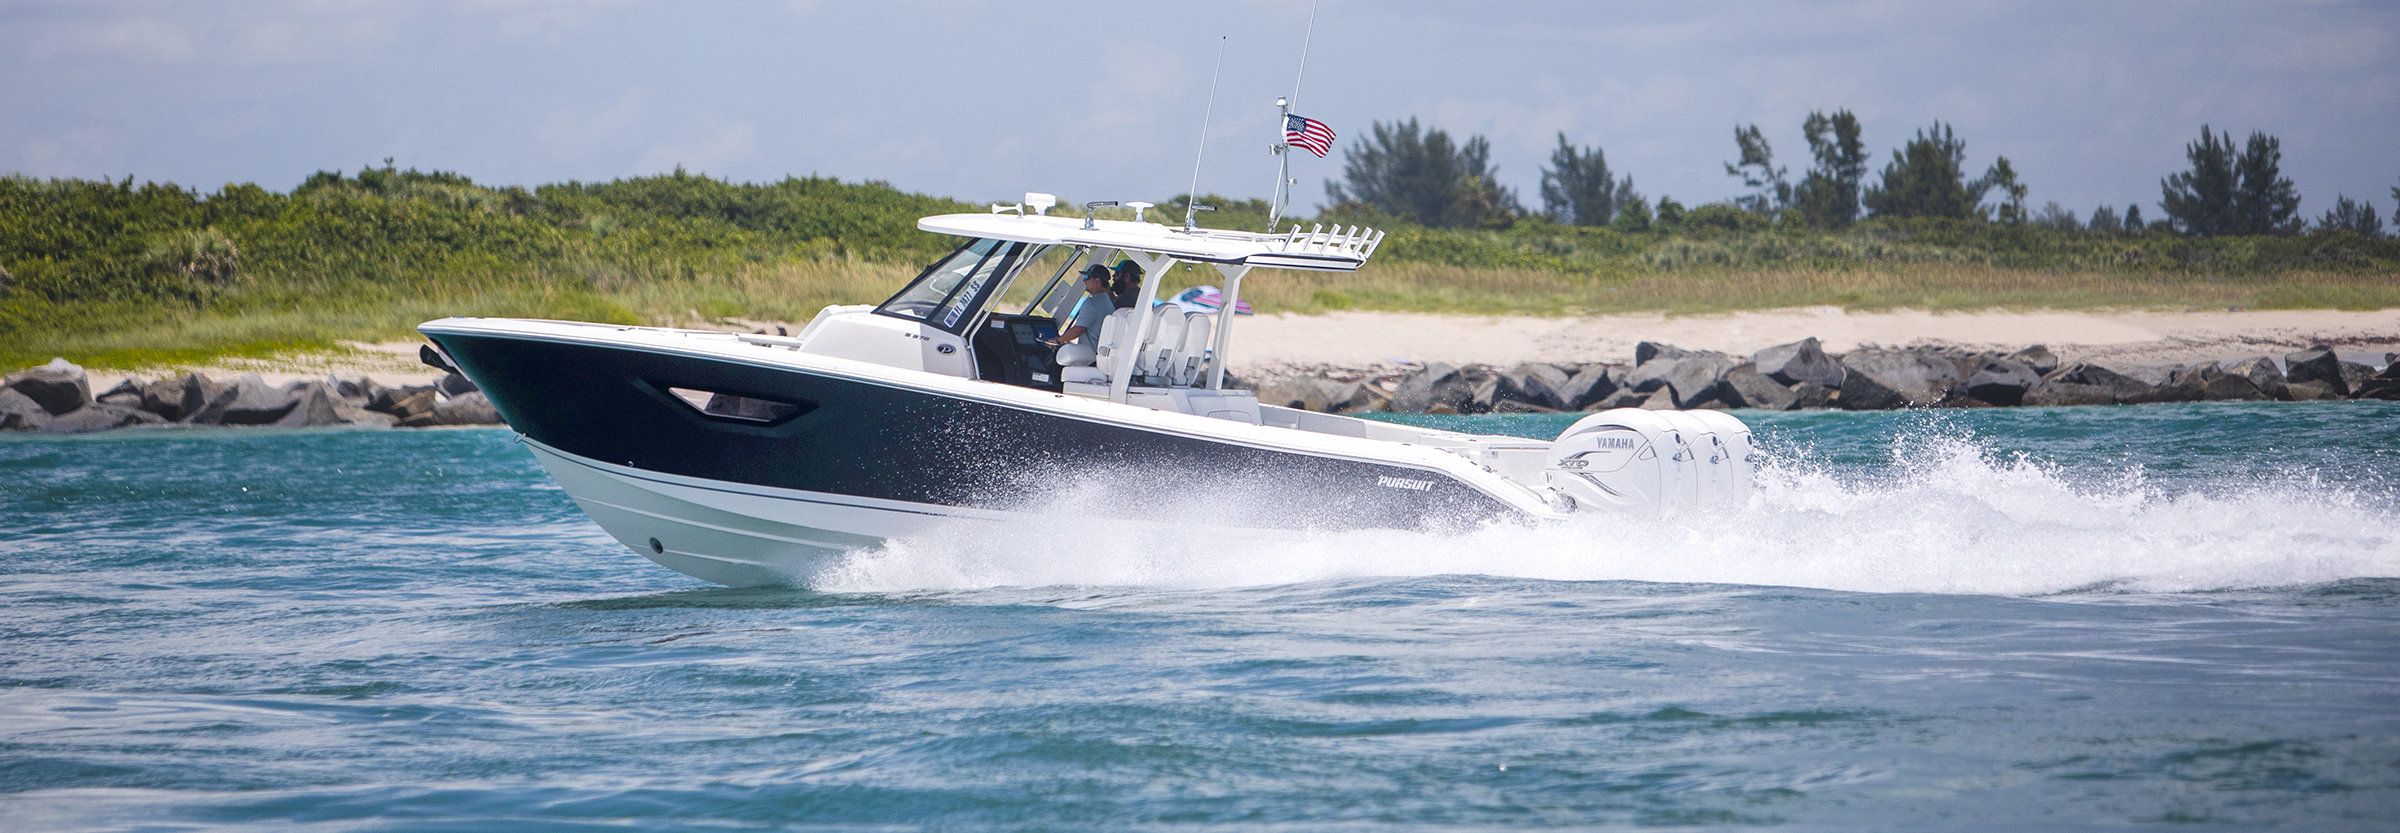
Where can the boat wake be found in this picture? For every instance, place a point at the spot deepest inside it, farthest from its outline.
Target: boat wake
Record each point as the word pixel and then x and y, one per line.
pixel 1949 515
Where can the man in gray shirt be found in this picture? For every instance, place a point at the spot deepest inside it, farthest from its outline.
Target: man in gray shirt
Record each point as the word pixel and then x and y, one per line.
pixel 1083 321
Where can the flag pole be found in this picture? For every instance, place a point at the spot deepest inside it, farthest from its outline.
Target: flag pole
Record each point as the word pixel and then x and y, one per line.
pixel 1283 146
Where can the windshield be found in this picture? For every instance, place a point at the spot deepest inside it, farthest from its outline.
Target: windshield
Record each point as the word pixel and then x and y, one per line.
pixel 975 260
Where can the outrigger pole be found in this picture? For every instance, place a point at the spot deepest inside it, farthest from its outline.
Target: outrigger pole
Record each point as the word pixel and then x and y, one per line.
pixel 1191 199
pixel 1283 146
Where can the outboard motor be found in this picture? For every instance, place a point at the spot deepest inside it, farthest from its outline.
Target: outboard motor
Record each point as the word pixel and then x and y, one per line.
pixel 1620 459
pixel 1734 437
pixel 1700 460
pixel 1652 462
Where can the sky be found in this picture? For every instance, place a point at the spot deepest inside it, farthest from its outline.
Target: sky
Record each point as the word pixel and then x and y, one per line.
pixel 2092 102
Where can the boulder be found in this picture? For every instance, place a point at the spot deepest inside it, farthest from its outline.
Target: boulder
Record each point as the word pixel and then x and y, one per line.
pixel 318 405
pixel 1485 392
pixel 464 409
pixel 1695 381
pixel 403 402
pixel 2183 383
pixel 1469 391
pixel 1511 406
pixel 1813 396
pixel 1746 387
pixel 2002 381
pixel 1690 376
pixel 2153 375
pixel 101 416
pixel 2315 364
pixel 2037 357
pixel 127 393
pixel 2354 375
pixel 1644 351
pixel 2384 386
pixel 2085 384
pixel 1305 393
pixel 454 385
pixel 1367 398
pixel 1534 383
pixel 1966 362
pixel 247 400
pixel 1416 393
pixel 2217 385
pixel 1624 398
pixel 2053 393
pixel 1589 386
pixel 179 397
pixel 130 384
pixel 1797 362
pixel 1880 380
pixel 356 387
pixel 2263 375
pixel 19 412
pixel 1337 395
pixel 59 387
pixel 1657 400
pixel 2311 391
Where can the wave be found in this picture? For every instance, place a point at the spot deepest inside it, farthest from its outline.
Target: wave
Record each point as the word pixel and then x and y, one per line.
pixel 1947 514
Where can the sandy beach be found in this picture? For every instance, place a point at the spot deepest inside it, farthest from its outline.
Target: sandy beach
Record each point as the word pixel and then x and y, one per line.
pixel 1272 345
pixel 1267 346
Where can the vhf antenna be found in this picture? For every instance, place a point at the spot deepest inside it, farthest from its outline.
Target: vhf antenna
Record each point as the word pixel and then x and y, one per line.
pixel 1191 199
pixel 1283 144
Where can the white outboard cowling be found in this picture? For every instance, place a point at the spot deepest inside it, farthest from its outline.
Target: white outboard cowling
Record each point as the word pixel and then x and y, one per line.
pixel 1652 462
pixel 1703 487
pixel 1733 436
pixel 1619 459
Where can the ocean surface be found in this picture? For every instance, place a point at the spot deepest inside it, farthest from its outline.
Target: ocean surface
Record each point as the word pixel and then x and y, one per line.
pixel 2171 616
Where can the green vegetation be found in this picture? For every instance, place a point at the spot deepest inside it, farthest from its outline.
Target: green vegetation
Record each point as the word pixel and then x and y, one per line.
pixel 114 274
pixel 2224 194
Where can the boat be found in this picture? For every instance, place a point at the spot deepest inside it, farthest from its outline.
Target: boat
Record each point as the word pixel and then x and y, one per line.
pixel 754 459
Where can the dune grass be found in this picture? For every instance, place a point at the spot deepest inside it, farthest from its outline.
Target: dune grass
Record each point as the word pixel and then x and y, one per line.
pixel 1422 287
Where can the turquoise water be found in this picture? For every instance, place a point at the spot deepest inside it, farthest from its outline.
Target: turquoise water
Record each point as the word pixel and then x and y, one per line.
pixel 1985 620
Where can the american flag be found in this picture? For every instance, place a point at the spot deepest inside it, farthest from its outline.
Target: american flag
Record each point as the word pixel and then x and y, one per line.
pixel 1308 133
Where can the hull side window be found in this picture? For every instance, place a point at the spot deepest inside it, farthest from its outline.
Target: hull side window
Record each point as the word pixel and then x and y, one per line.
pixel 734 407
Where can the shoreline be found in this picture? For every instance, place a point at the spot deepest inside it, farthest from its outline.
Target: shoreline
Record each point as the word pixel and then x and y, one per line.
pixel 1285 345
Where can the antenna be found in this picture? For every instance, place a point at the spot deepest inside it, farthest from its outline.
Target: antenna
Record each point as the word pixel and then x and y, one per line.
pixel 1191 198
pixel 1304 39
pixel 1283 146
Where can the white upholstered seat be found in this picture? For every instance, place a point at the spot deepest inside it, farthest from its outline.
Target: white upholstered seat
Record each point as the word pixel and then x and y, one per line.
pixel 1165 341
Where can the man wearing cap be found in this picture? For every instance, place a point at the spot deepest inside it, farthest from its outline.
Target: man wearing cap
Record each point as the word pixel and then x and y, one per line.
pixel 1083 321
pixel 1126 289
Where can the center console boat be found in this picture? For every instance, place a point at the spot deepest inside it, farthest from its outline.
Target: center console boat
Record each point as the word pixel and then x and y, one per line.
pixel 756 459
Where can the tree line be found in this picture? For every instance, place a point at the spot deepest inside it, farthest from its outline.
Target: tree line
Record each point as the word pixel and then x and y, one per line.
pixel 1422 175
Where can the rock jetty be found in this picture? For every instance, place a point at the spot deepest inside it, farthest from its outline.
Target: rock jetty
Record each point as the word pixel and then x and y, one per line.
pixel 57 397
pixel 1802 375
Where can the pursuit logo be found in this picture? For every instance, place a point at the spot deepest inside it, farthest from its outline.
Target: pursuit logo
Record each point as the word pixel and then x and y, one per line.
pixel 1404 483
